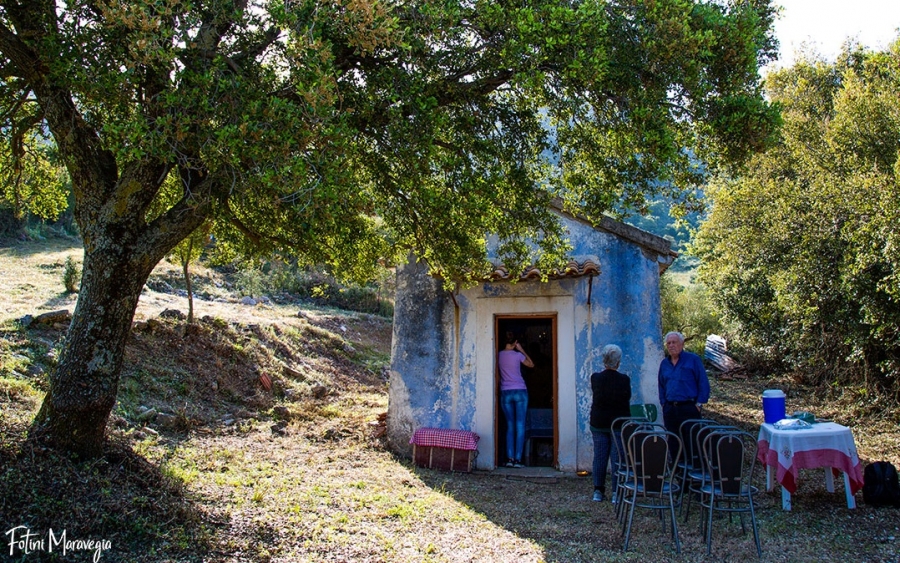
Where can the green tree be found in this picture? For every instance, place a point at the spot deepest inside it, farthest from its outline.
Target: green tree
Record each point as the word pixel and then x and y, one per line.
pixel 344 131
pixel 689 310
pixel 31 180
pixel 801 249
pixel 188 251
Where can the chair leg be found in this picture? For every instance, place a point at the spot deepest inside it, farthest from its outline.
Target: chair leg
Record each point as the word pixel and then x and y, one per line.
pixel 712 502
pixel 674 525
pixel 623 520
pixel 687 509
pixel 620 508
pixel 702 517
pixel 684 484
pixel 755 527
pixel 630 520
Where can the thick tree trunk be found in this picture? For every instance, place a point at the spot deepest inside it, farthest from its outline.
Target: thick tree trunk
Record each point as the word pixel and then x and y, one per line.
pixel 83 387
pixel 112 202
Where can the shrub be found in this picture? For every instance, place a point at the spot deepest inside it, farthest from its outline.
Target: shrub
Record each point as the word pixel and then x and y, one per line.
pixel 71 275
pixel 688 309
pixel 250 281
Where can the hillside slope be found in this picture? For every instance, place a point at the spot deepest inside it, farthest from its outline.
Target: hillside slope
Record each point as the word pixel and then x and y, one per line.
pixel 207 464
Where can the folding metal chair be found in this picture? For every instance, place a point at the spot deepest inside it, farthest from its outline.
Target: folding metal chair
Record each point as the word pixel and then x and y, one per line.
pixel 729 457
pixel 691 466
pixel 697 474
pixel 652 484
pixel 629 426
pixel 618 426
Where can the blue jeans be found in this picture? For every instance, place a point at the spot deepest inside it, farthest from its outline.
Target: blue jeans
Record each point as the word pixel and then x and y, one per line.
pixel 605 451
pixel 514 404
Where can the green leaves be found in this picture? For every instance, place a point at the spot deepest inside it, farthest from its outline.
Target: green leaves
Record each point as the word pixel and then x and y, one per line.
pixel 351 131
pixel 800 248
pixel 32 182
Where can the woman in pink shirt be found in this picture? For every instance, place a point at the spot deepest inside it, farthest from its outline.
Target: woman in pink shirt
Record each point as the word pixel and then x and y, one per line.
pixel 513 397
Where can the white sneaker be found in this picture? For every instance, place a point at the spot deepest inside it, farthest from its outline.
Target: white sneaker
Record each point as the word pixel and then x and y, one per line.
pixel 615 499
pixel 598 496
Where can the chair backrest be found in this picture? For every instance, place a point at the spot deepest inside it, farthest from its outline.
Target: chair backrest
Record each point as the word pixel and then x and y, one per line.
pixel 646 410
pixel 731 459
pixel 688 433
pixel 622 428
pixel 651 451
pixel 651 471
pixel 539 419
pixel 698 438
pixel 629 430
pixel 625 426
pixel 617 423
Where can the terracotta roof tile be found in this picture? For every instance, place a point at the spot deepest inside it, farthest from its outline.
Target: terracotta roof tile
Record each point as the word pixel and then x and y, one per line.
pixel 572 269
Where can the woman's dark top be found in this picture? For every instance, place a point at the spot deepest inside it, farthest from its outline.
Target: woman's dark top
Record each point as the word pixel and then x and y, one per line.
pixel 612 398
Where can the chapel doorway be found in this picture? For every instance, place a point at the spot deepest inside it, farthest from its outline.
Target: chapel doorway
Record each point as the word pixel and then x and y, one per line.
pixel 537 334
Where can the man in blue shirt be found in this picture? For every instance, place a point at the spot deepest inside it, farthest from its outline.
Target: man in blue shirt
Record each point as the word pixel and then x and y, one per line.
pixel 683 384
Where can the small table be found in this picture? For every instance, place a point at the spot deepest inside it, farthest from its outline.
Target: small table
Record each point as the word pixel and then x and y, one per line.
pixel 444 448
pixel 825 444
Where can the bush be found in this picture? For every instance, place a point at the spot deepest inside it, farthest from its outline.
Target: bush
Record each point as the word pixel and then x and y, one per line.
pixel 688 310
pixel 250 281
pixel 317 285
pixel 71 275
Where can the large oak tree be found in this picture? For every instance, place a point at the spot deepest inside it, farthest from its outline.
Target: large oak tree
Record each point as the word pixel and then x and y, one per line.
pixel 342 130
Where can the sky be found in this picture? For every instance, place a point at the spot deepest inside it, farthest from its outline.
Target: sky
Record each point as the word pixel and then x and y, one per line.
pixel 826 24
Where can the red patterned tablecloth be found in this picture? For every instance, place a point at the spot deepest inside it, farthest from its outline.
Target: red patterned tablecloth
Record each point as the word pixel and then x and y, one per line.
pixel 445 438
pixel 823 445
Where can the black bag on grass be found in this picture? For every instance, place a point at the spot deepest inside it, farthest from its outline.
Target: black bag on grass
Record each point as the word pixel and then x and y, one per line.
pixel 880 485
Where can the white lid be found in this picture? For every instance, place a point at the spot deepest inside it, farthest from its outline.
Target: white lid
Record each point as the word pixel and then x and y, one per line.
pixel 773 393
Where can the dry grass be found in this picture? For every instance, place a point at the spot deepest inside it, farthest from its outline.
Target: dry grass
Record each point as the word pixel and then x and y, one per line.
pixel 300 475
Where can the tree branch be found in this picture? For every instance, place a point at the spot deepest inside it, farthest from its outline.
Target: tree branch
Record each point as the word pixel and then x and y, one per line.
pixel 178 222
pixel 253 236
pixel 93 170
pixel 451 93
pixel 18 54
pixel 253 51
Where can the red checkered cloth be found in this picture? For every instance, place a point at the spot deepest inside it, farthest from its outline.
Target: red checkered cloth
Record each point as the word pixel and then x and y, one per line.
pixel 444 438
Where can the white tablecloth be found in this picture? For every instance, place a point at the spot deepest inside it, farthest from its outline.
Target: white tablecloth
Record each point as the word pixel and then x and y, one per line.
pixel 825 444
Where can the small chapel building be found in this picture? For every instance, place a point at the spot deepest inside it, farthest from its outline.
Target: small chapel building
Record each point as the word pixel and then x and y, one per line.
pixel 445 344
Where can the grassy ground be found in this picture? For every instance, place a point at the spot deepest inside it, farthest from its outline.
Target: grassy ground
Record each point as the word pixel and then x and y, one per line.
pixel 231 472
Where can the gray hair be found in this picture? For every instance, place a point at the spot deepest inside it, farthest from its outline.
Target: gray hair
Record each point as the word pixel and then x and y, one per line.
pixel 675 333
pixel 612 356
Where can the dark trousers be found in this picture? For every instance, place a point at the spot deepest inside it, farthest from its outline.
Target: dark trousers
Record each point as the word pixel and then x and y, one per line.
pixel 674 415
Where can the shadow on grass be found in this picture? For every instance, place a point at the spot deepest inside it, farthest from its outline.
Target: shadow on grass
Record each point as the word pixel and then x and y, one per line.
pixel 555 513
pixel 62 300
pixel 30 247
pixel 123 503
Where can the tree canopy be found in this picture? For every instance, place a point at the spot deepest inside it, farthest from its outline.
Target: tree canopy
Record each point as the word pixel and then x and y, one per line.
pixel 345 131
pixel 801 249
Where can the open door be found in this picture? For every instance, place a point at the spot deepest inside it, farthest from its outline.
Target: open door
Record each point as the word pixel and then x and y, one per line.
pixel 537 334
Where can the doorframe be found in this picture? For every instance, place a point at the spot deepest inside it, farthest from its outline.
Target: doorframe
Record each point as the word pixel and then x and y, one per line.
pixel 485 359
pixel 552 317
